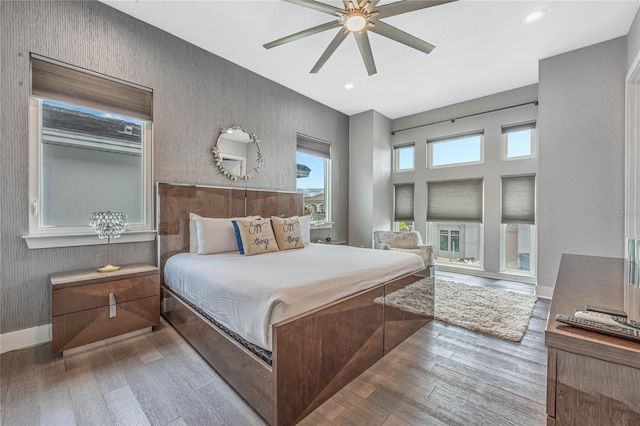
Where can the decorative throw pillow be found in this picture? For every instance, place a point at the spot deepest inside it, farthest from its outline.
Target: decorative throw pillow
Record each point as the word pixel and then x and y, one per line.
pixel 255 236
pixel 287 232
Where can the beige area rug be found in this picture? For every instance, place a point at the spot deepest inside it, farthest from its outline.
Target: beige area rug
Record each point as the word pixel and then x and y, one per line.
pixel 499 313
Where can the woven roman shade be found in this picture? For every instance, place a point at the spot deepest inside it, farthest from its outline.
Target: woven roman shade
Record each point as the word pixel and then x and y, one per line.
pixel 63 83
pixel 519 199
pixel 311 146
pixel 455 201
pixel 403 201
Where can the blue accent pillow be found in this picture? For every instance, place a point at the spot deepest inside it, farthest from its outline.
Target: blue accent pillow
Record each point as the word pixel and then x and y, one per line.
pixel 238 236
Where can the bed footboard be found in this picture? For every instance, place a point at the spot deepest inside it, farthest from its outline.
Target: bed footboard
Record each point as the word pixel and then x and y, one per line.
pixel 317 353
pixel 250 376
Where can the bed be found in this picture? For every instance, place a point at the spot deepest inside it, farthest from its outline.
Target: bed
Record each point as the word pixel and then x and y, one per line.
pixel 293 356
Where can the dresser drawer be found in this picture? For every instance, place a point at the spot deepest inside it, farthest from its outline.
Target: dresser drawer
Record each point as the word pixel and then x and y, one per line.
pixel 83 297
pixel 91 325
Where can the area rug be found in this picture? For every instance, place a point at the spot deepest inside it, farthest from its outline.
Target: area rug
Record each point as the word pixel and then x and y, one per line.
pixel 499 313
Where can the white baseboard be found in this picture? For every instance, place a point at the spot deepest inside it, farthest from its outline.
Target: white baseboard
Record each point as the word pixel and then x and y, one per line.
pixel 25 338
pixel 544 292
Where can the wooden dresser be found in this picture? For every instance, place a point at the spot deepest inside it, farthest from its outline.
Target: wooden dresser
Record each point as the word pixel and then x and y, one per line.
pixel 87 306
pixel 592 379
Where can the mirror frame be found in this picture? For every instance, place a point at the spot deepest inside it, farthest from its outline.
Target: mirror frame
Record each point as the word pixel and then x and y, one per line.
pixel 218 156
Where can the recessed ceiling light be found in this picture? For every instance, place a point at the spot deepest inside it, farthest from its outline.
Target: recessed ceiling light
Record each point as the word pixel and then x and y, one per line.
pixel 535 16
pixel 348 86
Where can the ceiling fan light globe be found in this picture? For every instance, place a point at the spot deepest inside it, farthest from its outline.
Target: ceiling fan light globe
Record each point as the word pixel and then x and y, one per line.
pixel 356 22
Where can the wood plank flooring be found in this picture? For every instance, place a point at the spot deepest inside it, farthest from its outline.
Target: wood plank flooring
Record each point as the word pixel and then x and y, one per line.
pixel 442 375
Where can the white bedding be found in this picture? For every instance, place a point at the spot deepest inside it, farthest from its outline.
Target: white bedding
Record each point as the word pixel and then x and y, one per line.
pixel 247 294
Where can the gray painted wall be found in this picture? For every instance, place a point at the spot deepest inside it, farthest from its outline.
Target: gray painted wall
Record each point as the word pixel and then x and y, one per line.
pixel 370 190
pixel 195 93
pixel 491 170
pixel 633 40
pixel 581 132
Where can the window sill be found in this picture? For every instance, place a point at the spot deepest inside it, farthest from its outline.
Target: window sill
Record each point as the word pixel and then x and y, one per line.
pixel 73 240
pixel 322 225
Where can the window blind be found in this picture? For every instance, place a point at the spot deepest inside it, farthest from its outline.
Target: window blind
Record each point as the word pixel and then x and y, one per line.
pixel 64 83
pixel 456 137
pixel 455 201
pixel 404 145
pixel 403 195
pixel 518 199
pixel 519 127
pixel 312 146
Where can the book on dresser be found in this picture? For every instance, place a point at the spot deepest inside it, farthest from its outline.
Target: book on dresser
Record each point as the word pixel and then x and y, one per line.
pixel 88 306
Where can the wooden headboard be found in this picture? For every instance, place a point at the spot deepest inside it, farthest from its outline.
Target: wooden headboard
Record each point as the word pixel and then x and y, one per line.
pixel 175 202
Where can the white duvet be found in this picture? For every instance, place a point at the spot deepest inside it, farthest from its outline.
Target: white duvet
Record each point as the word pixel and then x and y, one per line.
pixel 247 294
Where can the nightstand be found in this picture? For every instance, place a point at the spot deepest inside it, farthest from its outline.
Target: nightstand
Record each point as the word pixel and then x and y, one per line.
pixel 88 306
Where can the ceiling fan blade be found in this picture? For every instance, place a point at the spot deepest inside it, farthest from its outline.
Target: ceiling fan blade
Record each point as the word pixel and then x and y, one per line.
pixel 316 5
pixel 370 4
pixel 400 7
pixel 339 38
pixel 400 36
pixel 365 50
pixel 302 34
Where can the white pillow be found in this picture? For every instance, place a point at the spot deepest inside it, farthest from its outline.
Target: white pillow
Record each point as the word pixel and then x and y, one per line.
pixel 305 228
pixel 215 236
pixel 193 236
pixel 209 235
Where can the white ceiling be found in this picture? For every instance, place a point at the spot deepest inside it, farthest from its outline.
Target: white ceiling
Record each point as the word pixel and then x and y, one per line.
pixel 482 47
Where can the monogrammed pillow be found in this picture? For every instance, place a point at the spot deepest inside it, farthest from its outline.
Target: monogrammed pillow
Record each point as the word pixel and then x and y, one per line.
pixel 255 236
pixel 287 231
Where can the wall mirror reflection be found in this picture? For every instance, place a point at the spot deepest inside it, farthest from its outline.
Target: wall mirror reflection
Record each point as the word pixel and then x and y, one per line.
pixel 237 153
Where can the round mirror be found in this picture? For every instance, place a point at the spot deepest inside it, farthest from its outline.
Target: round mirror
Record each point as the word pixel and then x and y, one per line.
pixel 237 153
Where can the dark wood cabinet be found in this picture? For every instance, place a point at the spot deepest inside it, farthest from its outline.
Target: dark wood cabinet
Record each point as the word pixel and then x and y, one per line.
pixel 88 306
pixel 592 379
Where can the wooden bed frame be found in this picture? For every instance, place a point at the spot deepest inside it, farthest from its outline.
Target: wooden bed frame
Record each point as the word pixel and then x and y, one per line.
pixel 314 354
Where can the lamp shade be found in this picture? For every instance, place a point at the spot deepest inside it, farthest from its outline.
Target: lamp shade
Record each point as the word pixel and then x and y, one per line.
pixel 108 224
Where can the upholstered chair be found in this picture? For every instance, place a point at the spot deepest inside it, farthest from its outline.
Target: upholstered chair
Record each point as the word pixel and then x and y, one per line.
pixel 409 242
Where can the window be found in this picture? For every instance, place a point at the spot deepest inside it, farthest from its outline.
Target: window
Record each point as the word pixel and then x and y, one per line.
pixel 456 150
pixel 313 158
pixel 404 157
pixel 454 221
pixel 90 150
pixel 403 206
pixel 518 247
pixel 518 141
pixel 457 244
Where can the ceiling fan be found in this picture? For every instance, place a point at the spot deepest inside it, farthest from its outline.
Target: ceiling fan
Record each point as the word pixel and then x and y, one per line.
pixel 358 17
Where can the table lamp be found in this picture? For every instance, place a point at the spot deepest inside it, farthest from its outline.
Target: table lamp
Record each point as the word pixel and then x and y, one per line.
pixel 108 225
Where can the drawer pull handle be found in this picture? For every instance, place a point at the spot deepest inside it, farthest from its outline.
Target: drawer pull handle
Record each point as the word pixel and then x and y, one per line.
pixel 112 305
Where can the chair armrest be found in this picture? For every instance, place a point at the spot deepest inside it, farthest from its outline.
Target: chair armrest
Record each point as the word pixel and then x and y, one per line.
pixel 428 249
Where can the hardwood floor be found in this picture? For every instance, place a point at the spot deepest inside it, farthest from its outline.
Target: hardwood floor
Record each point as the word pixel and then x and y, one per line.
pixel 442 375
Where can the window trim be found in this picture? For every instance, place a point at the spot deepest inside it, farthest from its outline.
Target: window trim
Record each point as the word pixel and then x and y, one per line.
pixel 45 237
pixel 396 157
pixel 533 255
pixel 431 142
pixel 504 140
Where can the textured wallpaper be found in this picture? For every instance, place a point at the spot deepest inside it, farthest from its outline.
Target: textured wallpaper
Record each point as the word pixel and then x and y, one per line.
pixel 195 93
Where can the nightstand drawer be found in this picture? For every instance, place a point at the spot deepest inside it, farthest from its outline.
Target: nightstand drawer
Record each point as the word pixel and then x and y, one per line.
pixel 84 297
pixel 90 325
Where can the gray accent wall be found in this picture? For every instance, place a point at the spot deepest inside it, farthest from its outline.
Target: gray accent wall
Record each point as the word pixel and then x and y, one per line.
pixel 195 94
pixel 581 132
